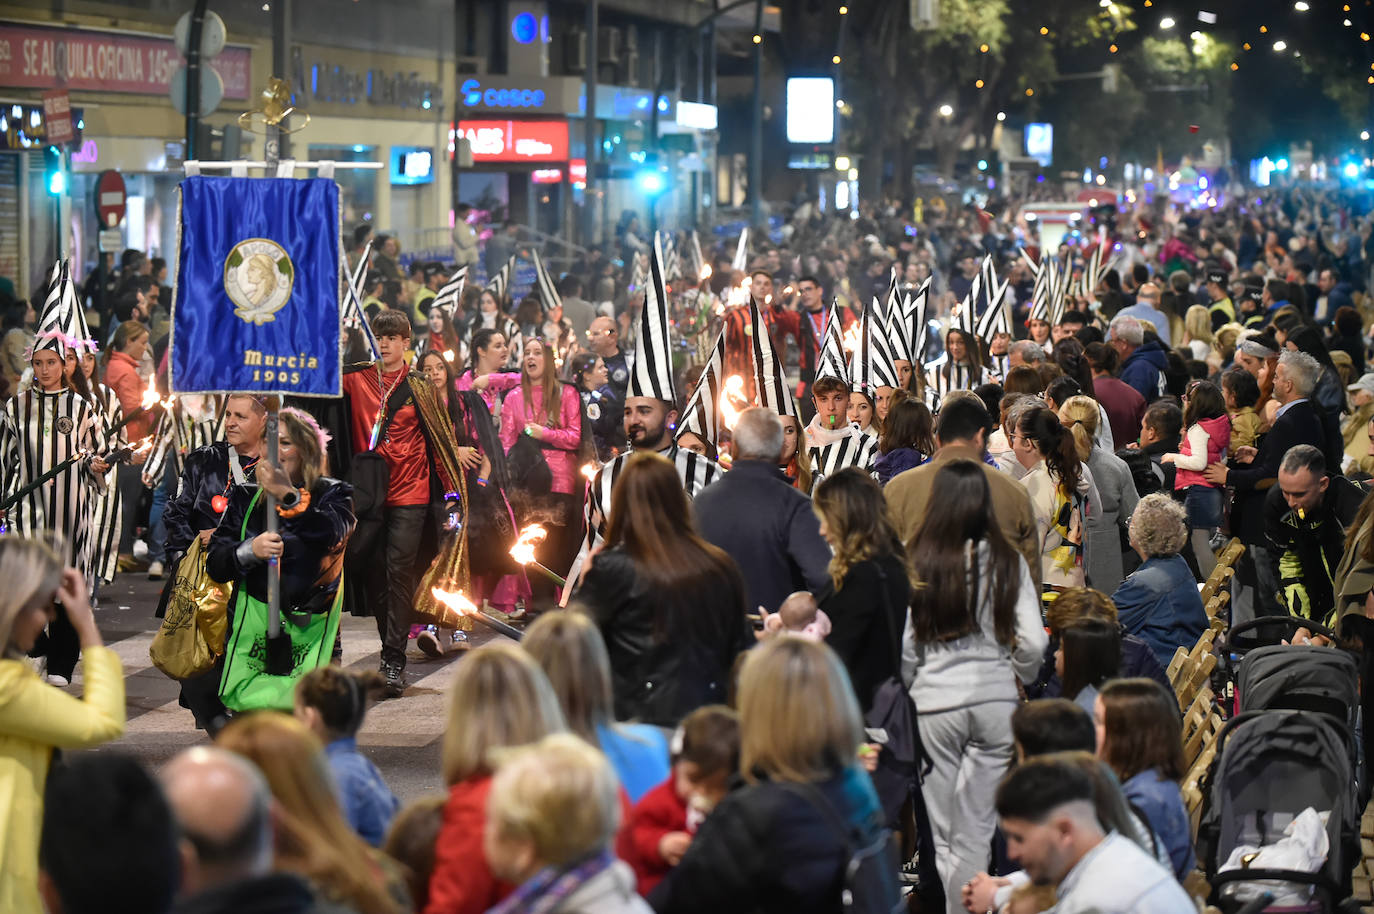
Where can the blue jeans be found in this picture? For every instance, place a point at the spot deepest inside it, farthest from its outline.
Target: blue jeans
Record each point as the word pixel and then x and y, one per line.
pixel 157 530
pixel 1203 507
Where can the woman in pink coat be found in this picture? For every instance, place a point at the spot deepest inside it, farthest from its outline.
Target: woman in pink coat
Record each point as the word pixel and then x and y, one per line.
pixel 549 414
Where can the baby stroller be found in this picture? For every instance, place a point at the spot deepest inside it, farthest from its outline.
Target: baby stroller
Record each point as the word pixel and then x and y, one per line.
pixel 1272 766
pixel 1300 678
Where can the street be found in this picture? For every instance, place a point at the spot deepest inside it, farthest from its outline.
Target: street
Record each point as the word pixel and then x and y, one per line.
pixel 401 736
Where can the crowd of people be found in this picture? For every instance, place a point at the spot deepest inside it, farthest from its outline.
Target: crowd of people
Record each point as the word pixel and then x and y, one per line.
pixel 856 468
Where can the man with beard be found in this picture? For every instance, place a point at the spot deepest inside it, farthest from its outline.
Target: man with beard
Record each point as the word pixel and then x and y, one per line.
pixel 208 477
pixel 651 415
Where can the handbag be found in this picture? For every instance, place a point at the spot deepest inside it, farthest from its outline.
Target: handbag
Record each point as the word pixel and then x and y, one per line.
pixel 193 629
pixel 491 531
pixel 246 685
pixel 529 470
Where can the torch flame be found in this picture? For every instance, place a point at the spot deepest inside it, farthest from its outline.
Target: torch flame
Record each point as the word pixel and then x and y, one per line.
pixel 705 272
pixel 589 470
pixel 851 337
pixel 454 600
pixel 448 355
pixel 150 396
pixel 733 401
pixel 531 536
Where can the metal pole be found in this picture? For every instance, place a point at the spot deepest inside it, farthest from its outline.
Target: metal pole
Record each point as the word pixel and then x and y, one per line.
pixel 193 78
pixel 592 141
pixel 281 66
pixel 756 140
pixel 711 98
pixel 274 565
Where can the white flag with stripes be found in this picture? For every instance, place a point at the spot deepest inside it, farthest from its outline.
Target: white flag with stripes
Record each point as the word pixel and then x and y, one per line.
pixel 741 261
pixel 769 381
pixel 499 283
pixel 702 415
pixel 652 373
pixel 451 292
pixel 543 282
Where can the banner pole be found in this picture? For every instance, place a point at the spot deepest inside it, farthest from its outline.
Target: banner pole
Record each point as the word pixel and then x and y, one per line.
pixel 274 565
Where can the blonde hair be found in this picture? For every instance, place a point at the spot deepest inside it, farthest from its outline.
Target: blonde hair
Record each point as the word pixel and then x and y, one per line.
pixel 314 840
pixel 1079 415
pixel 499 699
pixel 799 720
pixel 559 794
pixel 308 441
pixel 1198 323
pixel 569 648
pixel 32 571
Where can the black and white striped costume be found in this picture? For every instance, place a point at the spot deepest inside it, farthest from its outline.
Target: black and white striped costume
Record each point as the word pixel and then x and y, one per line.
pixel 944 378
pixel 179 432
pixel 856 449
pixel 39 430
pixel 109 507
pixel 509 329
pixel 695 471
pixel 999 367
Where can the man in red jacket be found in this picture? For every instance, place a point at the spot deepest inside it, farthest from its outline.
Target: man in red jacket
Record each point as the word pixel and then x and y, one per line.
pixel 806 325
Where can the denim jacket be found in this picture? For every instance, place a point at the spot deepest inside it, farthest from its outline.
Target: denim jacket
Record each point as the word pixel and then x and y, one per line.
pixel 1160 603
pixel 367 803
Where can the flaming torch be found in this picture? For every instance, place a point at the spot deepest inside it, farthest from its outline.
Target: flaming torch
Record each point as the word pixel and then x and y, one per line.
pixel 150 400
pixel 523 551
pixel 851 337
pixel 460 605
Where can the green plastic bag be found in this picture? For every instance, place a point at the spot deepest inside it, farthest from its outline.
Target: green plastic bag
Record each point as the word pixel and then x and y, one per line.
pixel 246 685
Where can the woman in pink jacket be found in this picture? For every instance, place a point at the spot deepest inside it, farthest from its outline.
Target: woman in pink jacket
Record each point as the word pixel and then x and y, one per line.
pixel 549 413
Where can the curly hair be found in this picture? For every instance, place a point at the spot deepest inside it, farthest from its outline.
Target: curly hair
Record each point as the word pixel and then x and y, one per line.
pixel 1158 527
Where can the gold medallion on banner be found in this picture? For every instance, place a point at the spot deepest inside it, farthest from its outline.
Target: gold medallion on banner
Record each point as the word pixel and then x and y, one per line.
pixel 258 276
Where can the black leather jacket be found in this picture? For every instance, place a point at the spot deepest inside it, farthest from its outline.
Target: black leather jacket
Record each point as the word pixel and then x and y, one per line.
pixel 670 653
pixel 204 474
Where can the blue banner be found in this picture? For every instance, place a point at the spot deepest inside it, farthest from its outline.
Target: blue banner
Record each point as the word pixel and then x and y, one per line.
pixel 256 304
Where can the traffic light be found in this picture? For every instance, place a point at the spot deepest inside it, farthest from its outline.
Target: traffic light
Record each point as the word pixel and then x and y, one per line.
pixel 54 171
pixel 652 178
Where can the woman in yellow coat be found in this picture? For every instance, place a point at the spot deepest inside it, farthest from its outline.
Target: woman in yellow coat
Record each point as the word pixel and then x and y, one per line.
pixel 36 718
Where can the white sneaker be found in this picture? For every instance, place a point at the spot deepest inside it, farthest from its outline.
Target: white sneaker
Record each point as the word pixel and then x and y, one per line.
pixel 60 681
pixel 156 572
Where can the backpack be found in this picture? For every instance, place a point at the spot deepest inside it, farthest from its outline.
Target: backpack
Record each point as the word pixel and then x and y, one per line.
pixel 869 884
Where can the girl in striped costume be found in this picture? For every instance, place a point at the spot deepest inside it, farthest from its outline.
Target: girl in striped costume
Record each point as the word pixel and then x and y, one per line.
pixel 962 370
pixel 108 517
pixel 39 429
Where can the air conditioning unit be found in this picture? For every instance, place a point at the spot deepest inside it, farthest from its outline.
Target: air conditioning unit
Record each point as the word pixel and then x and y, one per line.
pixel 575 51
pixel 608 45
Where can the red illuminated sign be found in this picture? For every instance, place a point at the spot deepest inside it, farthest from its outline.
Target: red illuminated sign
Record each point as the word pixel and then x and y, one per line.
pixel 516 141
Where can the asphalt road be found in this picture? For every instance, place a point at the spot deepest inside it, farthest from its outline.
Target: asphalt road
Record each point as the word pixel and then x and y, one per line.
pixel 402 736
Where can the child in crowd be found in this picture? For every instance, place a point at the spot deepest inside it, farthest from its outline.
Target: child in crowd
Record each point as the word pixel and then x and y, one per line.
pixel 660 827
pixel 1205 442
pixel 798 615
pixel 410 842
pixel 552 814
pixel 1242 396
pixel 332 702
pixel 1139 737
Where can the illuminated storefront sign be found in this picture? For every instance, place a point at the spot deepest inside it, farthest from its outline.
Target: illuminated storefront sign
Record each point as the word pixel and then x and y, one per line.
pixel 516 141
